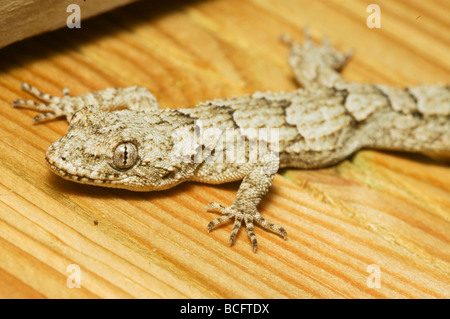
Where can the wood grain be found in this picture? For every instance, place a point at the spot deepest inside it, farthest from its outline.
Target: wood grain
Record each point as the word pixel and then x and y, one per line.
pixel 379 208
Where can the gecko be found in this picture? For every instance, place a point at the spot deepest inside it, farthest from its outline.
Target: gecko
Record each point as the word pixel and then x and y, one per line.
pixel 121 138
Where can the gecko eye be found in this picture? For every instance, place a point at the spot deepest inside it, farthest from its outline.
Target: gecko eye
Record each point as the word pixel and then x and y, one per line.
pixel 125 155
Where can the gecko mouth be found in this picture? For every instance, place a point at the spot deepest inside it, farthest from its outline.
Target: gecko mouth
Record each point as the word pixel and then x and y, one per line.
pixel 85 176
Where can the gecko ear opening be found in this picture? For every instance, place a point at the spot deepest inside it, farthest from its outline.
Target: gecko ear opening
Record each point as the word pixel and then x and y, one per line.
pixel 77 116
pixel 83 114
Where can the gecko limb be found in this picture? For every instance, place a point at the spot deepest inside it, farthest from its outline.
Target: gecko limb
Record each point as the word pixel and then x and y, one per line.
pixel 252 189
pixel 316 65
pixel 134 98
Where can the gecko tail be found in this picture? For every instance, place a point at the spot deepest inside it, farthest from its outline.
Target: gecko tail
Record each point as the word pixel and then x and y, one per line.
pixel 409 133
pixel 413 135
pixel 417 120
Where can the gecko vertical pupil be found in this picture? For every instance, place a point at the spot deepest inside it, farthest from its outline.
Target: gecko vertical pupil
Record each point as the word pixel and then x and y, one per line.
pixel 125 155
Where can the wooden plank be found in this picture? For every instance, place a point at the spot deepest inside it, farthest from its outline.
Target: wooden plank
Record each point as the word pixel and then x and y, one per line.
pixel 23 19
pixel 387 209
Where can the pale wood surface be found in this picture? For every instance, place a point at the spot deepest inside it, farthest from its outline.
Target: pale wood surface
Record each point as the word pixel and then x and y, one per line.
pixel 375 208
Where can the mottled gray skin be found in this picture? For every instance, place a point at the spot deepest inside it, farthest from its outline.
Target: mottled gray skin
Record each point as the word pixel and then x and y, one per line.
pixel 120 138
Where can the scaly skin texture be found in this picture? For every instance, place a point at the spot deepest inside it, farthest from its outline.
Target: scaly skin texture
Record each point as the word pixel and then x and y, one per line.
pixel 120 138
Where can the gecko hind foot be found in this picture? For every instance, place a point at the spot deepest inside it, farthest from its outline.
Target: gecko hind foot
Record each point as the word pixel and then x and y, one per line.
pixel 239 216
pixel 315 64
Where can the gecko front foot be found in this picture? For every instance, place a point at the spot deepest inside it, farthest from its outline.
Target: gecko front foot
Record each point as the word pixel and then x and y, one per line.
pixel 239 215
pixel 51 106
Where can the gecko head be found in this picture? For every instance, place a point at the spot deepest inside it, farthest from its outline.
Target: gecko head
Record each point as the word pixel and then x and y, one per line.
pixel 121 149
